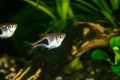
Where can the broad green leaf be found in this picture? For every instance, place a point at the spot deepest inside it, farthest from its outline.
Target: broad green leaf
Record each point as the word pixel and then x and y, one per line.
pixel 115 41
pixel 99 54
pixel 115 68
pixel 44 9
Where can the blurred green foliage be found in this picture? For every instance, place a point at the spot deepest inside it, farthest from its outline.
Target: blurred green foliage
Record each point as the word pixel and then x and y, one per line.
pixel 56 15
pixel 60 12
pixel 117 55
pixel 99 54
pixel 115 69
pixel 44 16
pixel 73 66
pixel 115 41
pixel 104 7
pixel 102 55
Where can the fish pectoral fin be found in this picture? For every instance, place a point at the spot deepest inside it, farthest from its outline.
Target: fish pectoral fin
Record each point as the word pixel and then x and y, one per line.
pixel 44 41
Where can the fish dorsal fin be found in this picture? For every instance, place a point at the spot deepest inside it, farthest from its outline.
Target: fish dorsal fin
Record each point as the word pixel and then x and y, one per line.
pixel 42 35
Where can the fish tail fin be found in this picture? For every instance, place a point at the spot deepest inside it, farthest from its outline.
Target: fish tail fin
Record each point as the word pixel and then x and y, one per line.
pixel 28 43
pixel 29 53
pixel 32 49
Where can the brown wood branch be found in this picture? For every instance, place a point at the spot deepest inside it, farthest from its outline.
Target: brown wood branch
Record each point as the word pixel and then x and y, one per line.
pixel 21 73
pixel 100 40
pixel 35 75
pixel 92 44
pixel 95 26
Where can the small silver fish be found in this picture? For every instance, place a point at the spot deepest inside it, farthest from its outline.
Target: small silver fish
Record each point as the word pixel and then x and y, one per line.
pixel 49 41
pixel 7 30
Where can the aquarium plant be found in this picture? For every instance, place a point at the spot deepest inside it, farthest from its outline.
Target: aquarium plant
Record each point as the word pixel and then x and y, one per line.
pixel 103 55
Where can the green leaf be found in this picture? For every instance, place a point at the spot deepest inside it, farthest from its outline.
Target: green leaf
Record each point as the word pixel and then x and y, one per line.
pixel 65 7
pixel 97 3
pixel 70 13
pixel 99 54
pixel 108 16
pixel 117 55
pixel 104 6
pixel 56 26
pixel 115 4
pixel 82 7
pixel 74 65
pixel 44 9
pixel 115 41
pixel 115 69
pixel 58 3
pixel 88 5
pixel 115 45
pixel 62 8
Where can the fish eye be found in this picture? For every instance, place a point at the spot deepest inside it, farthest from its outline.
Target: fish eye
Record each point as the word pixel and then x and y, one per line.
pixel 60 36
pixel 11 26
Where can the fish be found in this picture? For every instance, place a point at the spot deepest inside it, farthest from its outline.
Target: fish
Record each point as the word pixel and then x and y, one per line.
pixel 49 41
pixel 7 30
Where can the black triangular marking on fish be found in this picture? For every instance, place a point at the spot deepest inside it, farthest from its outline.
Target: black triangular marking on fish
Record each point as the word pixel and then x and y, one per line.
pixel 44 41
pixel 0 31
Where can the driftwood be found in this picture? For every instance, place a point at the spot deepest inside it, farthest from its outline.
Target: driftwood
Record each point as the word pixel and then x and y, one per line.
pixel 101 38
